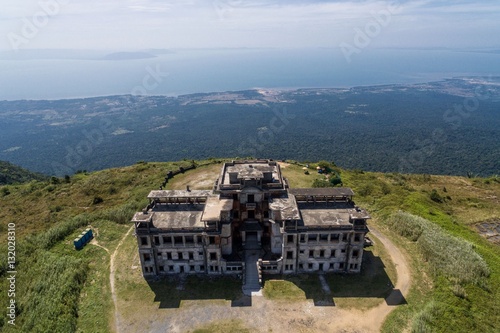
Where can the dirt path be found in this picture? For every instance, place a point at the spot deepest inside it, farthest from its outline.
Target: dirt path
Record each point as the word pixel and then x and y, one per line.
pixel 112 279
pixel 95 243
pixel 279 317
pixel 378 314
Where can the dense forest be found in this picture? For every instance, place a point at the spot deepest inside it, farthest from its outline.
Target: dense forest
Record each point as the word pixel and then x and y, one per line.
pixel 446 127
pixel 12 174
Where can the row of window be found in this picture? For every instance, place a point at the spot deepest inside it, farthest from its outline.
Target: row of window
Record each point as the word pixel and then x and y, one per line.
pixel 321 253
pixel 215 268
pixel 173 255
pixel 310 266
pixel 335 237
pixel 168 240
pixel 183 269
pixel 188 268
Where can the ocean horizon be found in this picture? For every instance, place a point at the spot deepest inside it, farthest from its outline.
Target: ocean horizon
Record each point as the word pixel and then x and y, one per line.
pixel 80 74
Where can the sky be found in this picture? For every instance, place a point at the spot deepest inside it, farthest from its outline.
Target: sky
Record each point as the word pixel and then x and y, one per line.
pixel 128 25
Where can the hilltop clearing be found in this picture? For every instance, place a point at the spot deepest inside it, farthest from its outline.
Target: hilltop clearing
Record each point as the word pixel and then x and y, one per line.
pixel 71 290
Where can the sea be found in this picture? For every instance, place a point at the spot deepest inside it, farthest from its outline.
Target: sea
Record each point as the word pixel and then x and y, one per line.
pixel 60 74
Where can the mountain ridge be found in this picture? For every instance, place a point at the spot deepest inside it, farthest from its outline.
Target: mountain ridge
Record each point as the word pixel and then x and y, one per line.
pixel 13 174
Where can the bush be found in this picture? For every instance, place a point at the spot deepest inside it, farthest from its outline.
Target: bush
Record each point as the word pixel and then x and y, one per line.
pixel 121 214
pixel 447 255
pixel 54 180
pixel 436 197
pixel 421 321
pixel 57 233
pixel 5 191
pixel 320 183
pixel 385 189
pixel 407 225
pixel 365 190
pixel 49 302
pixel 97 200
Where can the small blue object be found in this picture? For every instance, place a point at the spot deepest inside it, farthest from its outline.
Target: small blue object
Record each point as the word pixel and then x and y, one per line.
pixel 83 239
pixel 78 243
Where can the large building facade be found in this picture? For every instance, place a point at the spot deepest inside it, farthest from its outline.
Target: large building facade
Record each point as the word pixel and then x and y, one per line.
pixel 251 217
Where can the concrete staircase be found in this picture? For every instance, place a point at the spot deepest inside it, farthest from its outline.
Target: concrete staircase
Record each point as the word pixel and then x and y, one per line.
pixel 252 252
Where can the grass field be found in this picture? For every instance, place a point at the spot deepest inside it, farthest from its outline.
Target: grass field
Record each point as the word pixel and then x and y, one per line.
pixel 60 289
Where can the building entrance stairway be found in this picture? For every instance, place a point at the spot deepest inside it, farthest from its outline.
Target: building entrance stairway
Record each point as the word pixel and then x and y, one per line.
pixel 252 253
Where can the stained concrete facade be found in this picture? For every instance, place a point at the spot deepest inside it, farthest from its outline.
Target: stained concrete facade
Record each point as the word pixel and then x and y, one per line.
pixel 251 206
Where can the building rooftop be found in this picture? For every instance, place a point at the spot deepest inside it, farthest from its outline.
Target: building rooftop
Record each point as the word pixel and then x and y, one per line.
pixel 324 214
pixel 311 207
pixel 214 206
pixel 286 207
pixel 233 172
pixel 324 217
pixel 159 194
pixel 181 217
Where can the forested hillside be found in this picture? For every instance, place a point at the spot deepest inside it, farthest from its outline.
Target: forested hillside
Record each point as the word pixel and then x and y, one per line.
pixel 11 174
pixel 448 127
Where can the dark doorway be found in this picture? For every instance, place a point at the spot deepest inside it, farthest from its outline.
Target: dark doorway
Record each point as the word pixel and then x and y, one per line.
pixel 251 198
pixel 182 269
pixel 251 214
pixel 321 267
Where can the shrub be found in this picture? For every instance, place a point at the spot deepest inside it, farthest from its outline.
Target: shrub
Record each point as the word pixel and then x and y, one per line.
pixel 421 321
pixel 57 233
pixel 365 190
pixel 97 200
pixel 49 302
pixel 385 189
pixel 447 255
pixel 5 191
pixel 407 225
pixel 121 214
pixel 436 197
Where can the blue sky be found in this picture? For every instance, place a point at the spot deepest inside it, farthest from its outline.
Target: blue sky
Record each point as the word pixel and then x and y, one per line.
pixel 142 24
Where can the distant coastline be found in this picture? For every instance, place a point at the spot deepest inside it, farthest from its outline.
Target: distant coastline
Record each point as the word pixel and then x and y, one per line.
pixel 77 74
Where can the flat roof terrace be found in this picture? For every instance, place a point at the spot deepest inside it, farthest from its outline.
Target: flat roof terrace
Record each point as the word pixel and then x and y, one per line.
pixel 214 206
pixel 286 207
pixel 163 194
pixel 183 216
pixel 250 170
pixel 325 214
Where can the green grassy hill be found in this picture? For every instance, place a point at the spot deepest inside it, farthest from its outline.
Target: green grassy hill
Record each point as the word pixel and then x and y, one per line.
pixel 12 174
pixel 59 289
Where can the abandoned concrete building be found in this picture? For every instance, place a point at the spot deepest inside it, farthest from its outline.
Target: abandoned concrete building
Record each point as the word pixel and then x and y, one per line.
pixel 251 223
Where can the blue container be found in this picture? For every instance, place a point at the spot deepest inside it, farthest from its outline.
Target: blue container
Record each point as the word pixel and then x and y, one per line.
pixel 84 237
pixel 78 243
pixel 89 233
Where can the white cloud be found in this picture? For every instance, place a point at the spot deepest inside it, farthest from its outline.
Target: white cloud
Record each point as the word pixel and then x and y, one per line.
pixel 134 24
